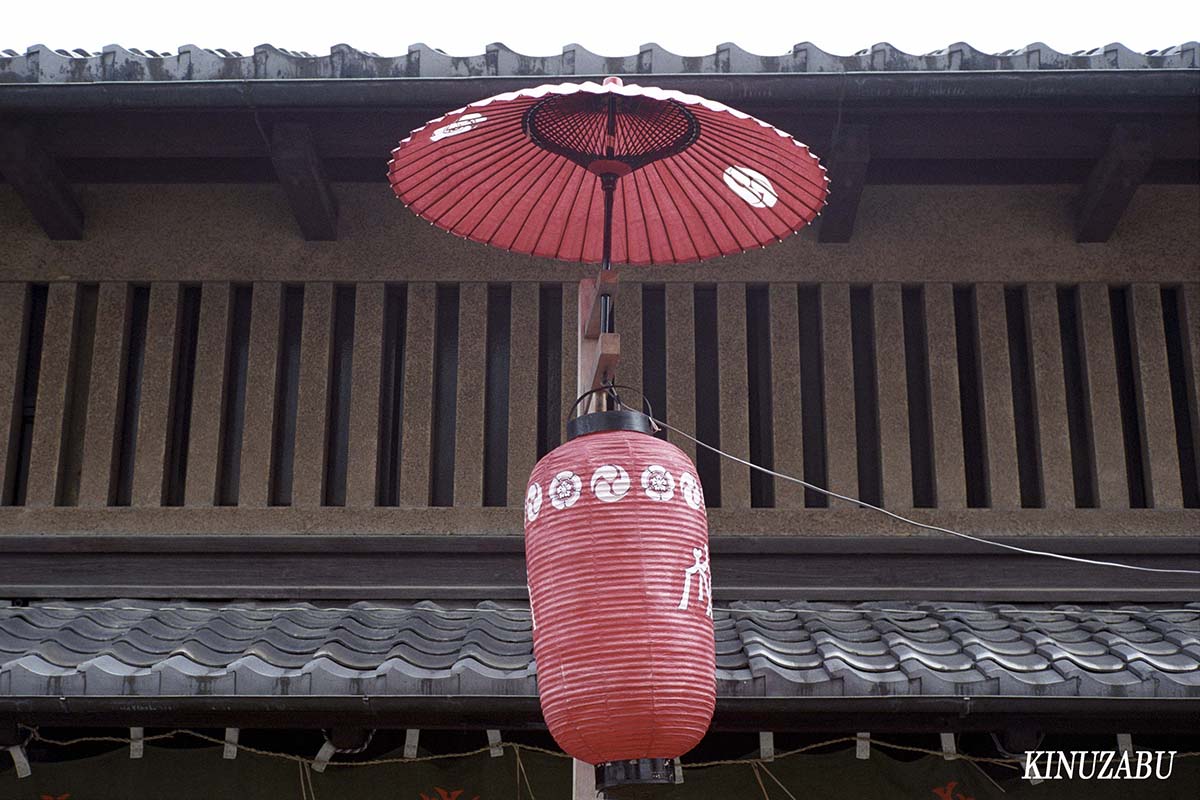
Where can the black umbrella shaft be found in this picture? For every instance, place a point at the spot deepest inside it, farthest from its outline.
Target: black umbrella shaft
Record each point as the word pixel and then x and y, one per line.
pixel 609 184
pixel 606 320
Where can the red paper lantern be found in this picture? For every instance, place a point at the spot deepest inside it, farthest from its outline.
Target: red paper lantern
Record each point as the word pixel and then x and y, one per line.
pixel 616 546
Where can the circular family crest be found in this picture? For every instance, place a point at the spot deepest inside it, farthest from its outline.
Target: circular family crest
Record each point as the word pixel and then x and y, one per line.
pixel 752 186
pixel 565 489
pixel 658 483
pixel 533 502
pixel 610 483
pixel 689 487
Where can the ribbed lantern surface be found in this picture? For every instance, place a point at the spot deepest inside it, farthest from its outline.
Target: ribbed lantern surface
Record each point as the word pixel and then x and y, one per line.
pixel 616 544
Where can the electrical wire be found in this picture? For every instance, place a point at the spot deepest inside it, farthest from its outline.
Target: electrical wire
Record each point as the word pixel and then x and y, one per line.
pixel 913 522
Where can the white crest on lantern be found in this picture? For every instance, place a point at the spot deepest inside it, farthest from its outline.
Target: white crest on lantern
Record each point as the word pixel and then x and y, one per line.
pixel 610 483
pixel 689 487
pixel 752 186
pixel 658 483
pixel 565 489
pixel 533 502
pixel 467 122
pixel 698 570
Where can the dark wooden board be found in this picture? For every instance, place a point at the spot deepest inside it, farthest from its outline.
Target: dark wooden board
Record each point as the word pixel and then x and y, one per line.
pixel 492 567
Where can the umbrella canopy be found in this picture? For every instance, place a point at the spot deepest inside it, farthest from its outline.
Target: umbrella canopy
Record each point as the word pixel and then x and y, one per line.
pixel 557 170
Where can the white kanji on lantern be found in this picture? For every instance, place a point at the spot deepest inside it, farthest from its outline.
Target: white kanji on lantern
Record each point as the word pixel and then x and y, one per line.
pixel 689 487
pixel 699 571
pixel 533 502
pixel 565 489
pixel 610 483
pixel 658 483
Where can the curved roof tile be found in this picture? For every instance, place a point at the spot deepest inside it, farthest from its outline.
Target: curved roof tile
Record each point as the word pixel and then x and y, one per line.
pixel 41 64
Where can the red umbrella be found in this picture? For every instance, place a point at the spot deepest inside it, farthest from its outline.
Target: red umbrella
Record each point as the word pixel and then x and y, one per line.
pixel 564 170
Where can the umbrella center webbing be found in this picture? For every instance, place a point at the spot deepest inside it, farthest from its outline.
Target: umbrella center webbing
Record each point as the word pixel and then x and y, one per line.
pixel 576 126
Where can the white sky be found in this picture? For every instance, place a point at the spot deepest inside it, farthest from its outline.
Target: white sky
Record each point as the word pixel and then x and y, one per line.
pixel 607 27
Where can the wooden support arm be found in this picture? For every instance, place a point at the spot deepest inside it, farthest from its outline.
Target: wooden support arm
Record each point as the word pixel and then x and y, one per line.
pixel 599 353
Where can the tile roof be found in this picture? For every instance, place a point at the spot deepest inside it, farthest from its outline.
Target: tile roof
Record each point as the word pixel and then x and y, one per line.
pixel 40 64
pixel 152 648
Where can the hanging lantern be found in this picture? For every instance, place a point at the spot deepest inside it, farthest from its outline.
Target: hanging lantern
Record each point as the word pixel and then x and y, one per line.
pixel 616 546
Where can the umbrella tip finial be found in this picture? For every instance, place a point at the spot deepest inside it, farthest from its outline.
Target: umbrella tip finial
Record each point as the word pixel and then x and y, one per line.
pixel 613 80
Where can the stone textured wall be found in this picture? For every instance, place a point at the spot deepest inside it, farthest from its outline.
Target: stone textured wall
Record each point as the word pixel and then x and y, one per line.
pixel 983 285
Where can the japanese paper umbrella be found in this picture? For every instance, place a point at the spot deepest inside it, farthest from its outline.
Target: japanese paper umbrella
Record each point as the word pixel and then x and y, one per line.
pixel 608 173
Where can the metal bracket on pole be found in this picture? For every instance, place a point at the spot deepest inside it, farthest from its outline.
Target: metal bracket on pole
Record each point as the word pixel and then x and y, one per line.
pixel 599 352
pixel 230 748
pixel 20 761
pixel 766 745
pixel 862 746
pixel 411 737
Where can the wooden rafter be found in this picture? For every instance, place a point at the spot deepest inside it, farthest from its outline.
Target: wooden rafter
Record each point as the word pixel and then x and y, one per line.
pixel 37 179
pixel 1113 182
pixel 847 173
pixel 300 172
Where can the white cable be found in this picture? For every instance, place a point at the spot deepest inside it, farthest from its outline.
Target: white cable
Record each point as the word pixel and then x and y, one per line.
pixel 913 522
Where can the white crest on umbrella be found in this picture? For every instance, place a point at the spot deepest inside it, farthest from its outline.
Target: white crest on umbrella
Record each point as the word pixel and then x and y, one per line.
pixel 533 502
pixel 610 483
pixel 467 122
pixel 565 489
pixel 752 186
pixel 689 487
pixel 658 483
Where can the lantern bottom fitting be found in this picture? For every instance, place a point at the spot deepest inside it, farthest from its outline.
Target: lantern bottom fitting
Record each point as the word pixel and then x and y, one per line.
pixel 613 775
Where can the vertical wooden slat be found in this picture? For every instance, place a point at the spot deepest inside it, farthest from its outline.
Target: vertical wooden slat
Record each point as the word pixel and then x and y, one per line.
pixel 104 398
pixel 522 389
pixel 733 393
pixel 786 425
pixel 204 438
pixel 892 384
pixel 158 378
pixel 45 451
pixel 1107 435
pixel 629 326
pixel 418 394
pixel 13 302
pixel 312 406
pixel 1000 428
pixel 262 364
pixel 472 378
pixel 369 301
pixel 840 429
pixel 570 352
pixel 1054 439
pixel 949 468
pixel 681 365
pixel 1154 385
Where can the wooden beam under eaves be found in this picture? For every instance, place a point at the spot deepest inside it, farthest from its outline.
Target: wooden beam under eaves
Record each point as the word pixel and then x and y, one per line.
pixel 303 179
pixel 1113 181
pixel 847 171
pixel 35 176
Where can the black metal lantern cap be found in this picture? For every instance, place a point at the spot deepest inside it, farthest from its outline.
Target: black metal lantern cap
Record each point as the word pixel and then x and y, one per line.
pixel 619 418
pixel 622 779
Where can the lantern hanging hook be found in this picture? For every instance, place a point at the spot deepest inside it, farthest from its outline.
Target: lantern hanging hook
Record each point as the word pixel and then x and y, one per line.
pixel 610 389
